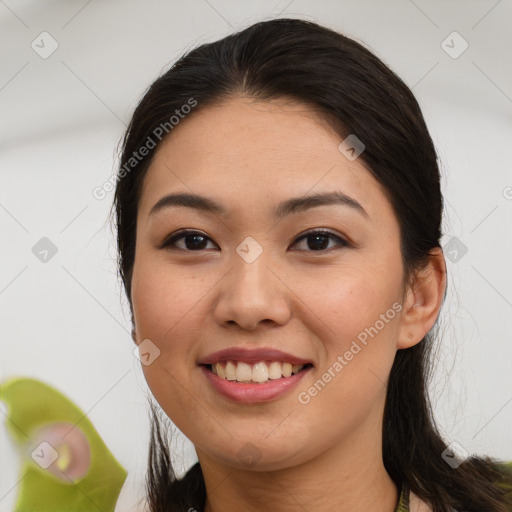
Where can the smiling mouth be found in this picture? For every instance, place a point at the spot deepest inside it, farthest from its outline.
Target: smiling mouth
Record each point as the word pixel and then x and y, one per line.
pixel 258 373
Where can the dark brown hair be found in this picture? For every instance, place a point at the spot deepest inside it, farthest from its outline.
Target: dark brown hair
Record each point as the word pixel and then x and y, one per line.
pixel 359 95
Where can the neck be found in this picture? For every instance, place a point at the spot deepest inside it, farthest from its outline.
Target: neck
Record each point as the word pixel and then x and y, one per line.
pixel 350 477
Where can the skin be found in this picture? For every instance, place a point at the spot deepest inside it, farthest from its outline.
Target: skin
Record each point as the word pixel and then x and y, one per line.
pixel 250 155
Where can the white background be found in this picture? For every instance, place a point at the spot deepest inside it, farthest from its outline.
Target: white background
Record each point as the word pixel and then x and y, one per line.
pixel 66 321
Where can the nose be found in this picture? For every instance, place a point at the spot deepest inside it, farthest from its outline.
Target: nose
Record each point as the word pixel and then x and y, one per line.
pixel 252 293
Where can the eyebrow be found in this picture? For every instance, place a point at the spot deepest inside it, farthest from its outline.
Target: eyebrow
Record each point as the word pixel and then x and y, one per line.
pixel 288 207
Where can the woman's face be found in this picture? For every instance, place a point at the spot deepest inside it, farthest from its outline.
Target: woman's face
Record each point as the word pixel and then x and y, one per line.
pixel 250 279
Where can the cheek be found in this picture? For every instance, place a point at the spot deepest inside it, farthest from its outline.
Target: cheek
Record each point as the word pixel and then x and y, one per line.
pixel 359 312
pixel 167 312
pixel 354 301
pixel 358 339
pixel 164 300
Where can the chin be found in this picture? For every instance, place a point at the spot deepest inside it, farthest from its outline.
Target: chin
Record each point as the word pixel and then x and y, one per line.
pixel 255 454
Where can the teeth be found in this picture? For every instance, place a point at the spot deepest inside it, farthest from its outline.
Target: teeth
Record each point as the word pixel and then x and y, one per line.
pixel 243 372
pixel 230 370
pixel 221 371
pixel 260 372
pixel 274 370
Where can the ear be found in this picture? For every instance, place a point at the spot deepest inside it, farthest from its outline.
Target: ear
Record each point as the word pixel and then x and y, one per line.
pixel 423 299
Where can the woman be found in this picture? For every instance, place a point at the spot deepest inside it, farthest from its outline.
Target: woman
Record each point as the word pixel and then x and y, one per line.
pixel 278 209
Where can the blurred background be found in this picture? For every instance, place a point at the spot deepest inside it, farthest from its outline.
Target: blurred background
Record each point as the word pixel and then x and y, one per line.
pixel 71 73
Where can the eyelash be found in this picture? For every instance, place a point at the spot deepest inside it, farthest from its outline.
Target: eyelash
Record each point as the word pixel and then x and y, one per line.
pixel 168 243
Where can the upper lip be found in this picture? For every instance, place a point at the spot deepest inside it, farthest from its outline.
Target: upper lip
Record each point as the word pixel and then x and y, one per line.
pixel 248 355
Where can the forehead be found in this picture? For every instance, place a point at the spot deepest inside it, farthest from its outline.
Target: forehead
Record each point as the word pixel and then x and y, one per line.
pixel 249 151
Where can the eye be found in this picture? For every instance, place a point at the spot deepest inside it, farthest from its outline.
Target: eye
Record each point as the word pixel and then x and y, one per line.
pixel 318 239
pixel 193 240
pixel 197 241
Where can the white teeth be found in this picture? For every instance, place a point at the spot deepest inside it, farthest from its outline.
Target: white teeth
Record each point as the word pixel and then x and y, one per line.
pixel 230 371
pixel 287 369
pixel 274 370
pixel 243 372
pixel 260 372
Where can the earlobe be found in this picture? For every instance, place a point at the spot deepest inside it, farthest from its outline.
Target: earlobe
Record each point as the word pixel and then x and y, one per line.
pixel 423 301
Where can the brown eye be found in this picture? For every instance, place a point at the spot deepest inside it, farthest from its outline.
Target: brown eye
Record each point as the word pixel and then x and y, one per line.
pixel 318 240
pixel 193 241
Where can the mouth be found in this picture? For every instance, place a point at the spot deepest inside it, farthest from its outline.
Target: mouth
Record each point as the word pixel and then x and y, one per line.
pixel 260 372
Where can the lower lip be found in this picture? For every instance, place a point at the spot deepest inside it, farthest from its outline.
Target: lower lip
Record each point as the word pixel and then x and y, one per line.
pixel 252 393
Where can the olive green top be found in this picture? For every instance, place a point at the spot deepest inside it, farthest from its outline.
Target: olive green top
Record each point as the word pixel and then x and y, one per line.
pixel 403 502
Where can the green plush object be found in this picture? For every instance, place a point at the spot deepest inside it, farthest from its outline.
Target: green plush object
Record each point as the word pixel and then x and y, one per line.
pixel 34 409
